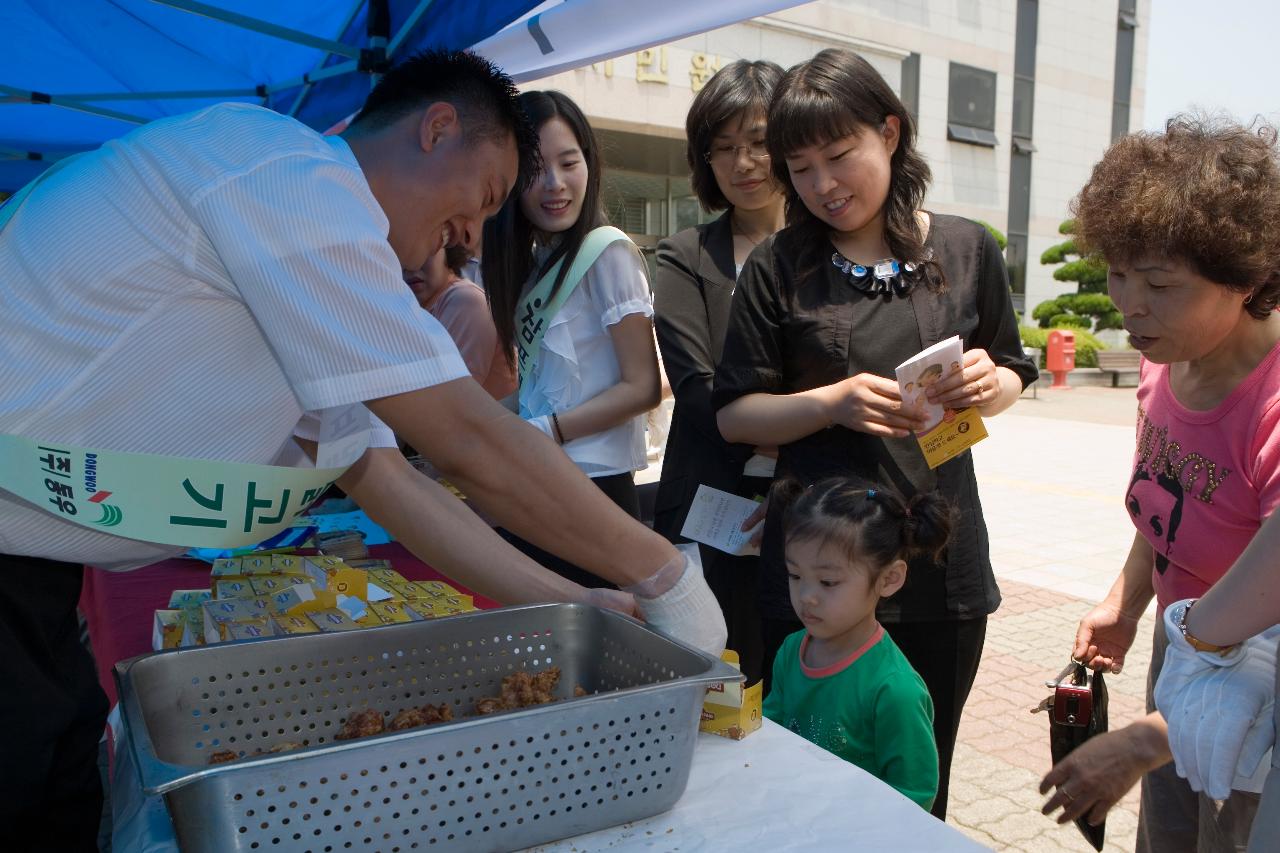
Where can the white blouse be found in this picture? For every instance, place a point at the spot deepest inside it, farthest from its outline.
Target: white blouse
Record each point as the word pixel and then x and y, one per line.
pixel 577 360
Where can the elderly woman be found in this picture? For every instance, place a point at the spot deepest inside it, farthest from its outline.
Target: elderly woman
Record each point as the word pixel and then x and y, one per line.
pixel 1189 222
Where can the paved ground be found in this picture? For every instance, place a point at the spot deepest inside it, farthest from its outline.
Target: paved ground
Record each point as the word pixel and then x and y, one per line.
pixel 1051 476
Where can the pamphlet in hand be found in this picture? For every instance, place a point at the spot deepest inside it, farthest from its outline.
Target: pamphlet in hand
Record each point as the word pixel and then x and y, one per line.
pixel 947 432
pixel 715 518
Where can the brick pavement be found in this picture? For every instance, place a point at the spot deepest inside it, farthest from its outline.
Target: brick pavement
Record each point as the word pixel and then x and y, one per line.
pixel 1003 750
pixel 1052 476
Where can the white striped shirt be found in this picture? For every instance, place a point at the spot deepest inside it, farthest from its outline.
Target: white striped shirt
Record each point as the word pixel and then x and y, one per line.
pixel 193 289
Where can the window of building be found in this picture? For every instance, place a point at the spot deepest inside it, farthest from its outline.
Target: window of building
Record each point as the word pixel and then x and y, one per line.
pixel 911 85
pixel 971 105
pixel 1126 23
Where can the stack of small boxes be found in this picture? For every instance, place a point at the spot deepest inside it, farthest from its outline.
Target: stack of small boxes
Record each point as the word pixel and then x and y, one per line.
pixel 275 595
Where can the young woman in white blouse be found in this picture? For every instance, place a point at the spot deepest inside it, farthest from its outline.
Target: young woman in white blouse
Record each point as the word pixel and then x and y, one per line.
pixel 583 339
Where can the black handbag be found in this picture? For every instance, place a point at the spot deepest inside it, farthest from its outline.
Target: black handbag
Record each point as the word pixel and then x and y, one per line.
pixel 1077 711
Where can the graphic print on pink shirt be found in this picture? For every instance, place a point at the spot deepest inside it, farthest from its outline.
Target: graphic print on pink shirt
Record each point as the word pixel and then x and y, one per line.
pixel 1203 480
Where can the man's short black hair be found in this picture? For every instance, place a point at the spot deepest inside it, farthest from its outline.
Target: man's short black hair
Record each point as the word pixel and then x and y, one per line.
pixel 483 95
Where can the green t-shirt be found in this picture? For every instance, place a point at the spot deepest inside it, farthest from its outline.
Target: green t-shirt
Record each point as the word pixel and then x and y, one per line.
pixel 871 710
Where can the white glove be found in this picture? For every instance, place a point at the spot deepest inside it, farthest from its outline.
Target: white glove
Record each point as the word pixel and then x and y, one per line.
pixel 542 422
pixel 1219 709
pixel 686 610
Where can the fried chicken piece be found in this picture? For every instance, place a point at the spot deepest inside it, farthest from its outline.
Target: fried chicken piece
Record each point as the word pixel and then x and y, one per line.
pixel 441 713
pixel 223 757
pixel 407 719
pixel 280 747
pixel 361 724
pixel 522 690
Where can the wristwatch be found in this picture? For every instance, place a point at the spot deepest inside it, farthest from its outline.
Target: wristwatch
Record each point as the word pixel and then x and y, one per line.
pixel 1180 619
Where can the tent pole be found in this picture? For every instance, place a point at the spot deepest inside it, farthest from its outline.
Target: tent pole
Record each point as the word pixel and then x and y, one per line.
pixel 409 24
pixel 378 31
pixel 259 26
pixel 306 87
pixel 61 101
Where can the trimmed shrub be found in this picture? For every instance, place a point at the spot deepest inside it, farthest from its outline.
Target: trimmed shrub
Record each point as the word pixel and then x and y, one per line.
pixel 1069 321
pixel 1087 345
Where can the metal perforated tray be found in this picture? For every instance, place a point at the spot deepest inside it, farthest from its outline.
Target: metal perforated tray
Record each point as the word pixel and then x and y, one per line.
pixel 498 782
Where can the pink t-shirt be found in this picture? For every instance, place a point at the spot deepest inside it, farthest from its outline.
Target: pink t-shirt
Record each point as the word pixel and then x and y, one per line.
pixel 1203 482
pixel 462 309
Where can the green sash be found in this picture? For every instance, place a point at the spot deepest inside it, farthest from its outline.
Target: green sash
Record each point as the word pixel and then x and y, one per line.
pixel 538 308
pixel 167 499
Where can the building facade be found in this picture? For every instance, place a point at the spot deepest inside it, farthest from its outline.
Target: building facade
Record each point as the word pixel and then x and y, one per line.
pixel 1015 100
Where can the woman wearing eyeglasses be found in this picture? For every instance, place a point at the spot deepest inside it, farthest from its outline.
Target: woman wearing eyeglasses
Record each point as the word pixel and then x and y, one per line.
pixel 697 271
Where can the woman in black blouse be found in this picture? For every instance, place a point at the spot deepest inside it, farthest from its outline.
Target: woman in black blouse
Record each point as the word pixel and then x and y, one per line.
pixel 860 281
pixel 697 269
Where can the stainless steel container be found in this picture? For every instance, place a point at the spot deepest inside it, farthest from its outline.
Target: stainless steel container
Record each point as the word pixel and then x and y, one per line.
pixel 498 782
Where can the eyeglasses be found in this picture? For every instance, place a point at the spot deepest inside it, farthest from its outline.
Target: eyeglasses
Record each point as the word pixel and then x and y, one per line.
pixel 729 153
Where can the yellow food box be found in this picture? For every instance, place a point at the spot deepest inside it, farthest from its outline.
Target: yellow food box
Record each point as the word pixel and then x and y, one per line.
pixel 731 710
pixel 382 577
pixel 271 584
pixel 254 566
pixel 167 630
pixel 232 588
pixel 465 603
pixel 288 564
pixel 294 625
pixel 188 599
pixel 193 627
pixel 248 630
pixel 332 574
pixel 389 613
pixel 298 599
pixel 226 567
pixel 221 610
pixel 333 620
pixel 404 590
pixel 436 587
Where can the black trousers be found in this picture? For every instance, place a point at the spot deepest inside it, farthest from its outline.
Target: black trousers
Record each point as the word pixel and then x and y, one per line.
pixel 52 711
pixel 619 488
pixel 945 653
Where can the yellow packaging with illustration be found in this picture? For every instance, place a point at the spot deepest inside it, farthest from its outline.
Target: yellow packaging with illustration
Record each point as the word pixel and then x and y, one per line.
pixel 389 613
pixel 233 588
pixel 249 630
pixel 333 620
pixel 332 574
pixel 167 630
pixel 294 625
pixel 731 710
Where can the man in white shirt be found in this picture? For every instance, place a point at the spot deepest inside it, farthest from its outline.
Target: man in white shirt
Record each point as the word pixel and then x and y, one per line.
pixel 214 286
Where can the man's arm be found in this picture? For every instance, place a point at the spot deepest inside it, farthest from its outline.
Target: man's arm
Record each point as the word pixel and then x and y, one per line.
pixel 522 480
pixel 443 532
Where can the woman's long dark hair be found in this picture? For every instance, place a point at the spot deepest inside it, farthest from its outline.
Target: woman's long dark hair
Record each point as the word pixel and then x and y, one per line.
pixel 507 260
pixel 833 95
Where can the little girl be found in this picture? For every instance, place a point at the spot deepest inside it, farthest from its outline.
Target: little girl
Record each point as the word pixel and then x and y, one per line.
pixel 570 296
pixel 842 683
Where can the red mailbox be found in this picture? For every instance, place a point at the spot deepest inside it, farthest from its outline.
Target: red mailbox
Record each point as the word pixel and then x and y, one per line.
pixel 1060 356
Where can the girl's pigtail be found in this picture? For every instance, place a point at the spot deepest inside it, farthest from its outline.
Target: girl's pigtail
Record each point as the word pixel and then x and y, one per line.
pixel 927 524
pixel 784 493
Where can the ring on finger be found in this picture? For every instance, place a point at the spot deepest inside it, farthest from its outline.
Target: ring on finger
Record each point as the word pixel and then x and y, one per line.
pixel 1063 792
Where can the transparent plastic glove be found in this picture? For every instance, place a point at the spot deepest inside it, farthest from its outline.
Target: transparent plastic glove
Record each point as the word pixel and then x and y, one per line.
pixel 542 422
pixel 613 599
pixel 677 601
pixel 1219 709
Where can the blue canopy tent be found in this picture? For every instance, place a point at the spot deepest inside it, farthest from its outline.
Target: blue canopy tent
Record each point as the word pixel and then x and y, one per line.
pixel 75 73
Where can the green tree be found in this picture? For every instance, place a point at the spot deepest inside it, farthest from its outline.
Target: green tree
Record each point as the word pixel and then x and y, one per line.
pixel 1089 307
